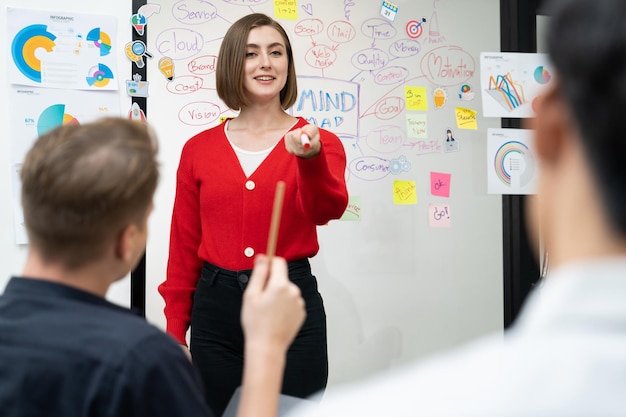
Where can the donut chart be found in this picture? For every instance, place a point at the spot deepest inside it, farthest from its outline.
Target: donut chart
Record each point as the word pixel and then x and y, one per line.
pixel 514 160
pixel 25 44
pixel 101 40
pixel 52 117
pixel 99 76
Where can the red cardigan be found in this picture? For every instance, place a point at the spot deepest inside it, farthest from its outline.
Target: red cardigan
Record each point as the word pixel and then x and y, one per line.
pixel 222 217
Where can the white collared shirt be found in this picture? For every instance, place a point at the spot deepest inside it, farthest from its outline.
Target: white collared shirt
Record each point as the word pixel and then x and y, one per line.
pixel 564 356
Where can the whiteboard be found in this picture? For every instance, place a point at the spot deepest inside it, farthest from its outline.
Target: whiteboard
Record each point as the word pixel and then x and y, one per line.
pixel 399 281
pixel 13 255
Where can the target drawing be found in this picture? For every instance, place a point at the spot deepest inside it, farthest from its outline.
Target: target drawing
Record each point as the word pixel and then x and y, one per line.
pixel 415 28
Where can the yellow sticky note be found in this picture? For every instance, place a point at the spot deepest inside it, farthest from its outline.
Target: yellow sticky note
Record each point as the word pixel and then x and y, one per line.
pixel 466 118
pixel 415 98
pixel 404 192
pixel 286 9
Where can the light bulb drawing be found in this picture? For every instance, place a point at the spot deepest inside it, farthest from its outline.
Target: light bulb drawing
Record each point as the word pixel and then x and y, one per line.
pixel 166 66
pixel 139 23
pixel 135 51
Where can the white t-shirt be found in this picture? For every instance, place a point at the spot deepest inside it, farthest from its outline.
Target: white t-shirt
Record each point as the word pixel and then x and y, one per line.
pixel 249 160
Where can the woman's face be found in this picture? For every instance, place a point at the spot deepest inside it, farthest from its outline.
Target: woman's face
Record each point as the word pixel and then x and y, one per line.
pixel 266 65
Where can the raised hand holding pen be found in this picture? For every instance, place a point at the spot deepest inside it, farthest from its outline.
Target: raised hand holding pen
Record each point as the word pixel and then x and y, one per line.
pixel 296 145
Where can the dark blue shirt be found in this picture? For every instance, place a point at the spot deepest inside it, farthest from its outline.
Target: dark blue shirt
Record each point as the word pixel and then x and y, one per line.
pixel 65 353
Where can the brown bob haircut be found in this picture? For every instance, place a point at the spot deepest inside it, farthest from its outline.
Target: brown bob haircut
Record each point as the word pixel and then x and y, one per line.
pixel 229 72
pixel 82 185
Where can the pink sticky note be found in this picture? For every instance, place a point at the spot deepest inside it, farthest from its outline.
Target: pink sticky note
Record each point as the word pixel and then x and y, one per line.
pixel 439 215
pixel 440 184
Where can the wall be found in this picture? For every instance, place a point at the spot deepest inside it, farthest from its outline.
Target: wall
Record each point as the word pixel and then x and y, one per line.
pixel 395 288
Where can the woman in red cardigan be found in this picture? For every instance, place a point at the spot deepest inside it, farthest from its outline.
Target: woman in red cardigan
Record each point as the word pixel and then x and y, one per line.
pixel 224 194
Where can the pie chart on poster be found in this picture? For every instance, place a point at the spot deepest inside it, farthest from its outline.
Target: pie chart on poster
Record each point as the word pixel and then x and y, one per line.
pixel 99 76
pixel 52 117
pixel 542 76
pixel 101 40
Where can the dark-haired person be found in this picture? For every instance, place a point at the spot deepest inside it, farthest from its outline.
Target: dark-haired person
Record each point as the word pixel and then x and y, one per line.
pixel 566 353
pixel 225 187
pixel 65 351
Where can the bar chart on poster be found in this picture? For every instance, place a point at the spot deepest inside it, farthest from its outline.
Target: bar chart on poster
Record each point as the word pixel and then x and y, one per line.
pixel 415 263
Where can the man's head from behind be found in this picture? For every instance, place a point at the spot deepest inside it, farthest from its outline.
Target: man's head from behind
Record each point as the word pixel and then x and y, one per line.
pixel 83 185
pixel 578 127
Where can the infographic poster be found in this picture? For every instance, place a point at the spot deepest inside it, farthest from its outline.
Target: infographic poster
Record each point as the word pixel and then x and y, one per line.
pixel 35 111
pixel 511 162
pixel 62 50
pixel 510 82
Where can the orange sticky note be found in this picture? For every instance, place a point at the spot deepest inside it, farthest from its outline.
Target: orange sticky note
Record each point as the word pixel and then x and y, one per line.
pixel 404 192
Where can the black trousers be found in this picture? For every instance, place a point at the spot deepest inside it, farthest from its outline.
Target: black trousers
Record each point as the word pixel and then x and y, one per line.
pixel 217 342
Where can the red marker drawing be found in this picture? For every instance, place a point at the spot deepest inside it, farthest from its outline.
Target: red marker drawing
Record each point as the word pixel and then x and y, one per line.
pixel 306 143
